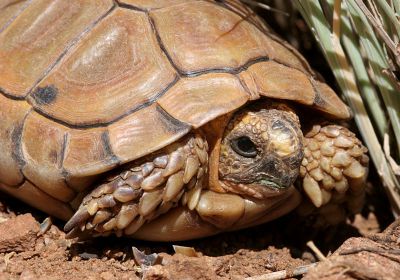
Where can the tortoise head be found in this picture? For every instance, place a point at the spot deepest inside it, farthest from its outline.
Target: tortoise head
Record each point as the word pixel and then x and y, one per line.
pixel 261 151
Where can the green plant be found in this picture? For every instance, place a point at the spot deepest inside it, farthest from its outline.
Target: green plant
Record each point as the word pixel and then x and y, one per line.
pixel 360 41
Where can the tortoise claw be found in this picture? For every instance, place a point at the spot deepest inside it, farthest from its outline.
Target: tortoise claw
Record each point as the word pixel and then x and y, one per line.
pixel 79 218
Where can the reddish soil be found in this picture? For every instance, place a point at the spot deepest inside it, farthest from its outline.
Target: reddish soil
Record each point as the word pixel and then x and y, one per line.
pixel 27 253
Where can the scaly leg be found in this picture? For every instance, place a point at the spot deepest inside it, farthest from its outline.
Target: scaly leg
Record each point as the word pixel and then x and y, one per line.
pixel 333 174
pixel 144 190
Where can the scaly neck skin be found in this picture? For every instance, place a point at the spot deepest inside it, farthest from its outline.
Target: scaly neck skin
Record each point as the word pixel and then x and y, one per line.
pixel 214 132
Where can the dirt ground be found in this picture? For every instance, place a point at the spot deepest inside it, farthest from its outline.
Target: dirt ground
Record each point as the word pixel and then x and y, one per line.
pixel 31 250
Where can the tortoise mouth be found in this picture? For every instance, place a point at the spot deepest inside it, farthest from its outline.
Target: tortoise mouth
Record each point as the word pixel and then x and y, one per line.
pixel 270 184
pixel 260 189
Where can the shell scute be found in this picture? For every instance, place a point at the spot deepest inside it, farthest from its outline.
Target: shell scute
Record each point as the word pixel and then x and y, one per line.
pixel 34 41
pixel 285 54
pixel 110 73
pixel 43 147
pixel 275 80
pixel 327 101
pixel 12 115
pixel 205 36
pixel 88 153
pixel 144 132
pixel 198 100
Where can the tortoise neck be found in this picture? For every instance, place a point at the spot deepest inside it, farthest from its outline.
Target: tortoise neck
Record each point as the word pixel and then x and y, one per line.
pixel 214 132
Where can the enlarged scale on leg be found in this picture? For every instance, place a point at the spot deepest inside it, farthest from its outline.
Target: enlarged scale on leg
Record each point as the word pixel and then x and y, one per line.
pixel 334 171
pixel 144 190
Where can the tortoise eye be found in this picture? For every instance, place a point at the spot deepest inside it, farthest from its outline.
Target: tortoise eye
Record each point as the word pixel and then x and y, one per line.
pixel 244 147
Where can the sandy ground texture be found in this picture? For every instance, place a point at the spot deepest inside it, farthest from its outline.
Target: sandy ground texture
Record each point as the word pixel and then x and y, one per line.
pixel 33 249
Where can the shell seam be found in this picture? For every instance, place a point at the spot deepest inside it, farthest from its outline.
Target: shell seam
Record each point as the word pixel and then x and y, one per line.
pixel 105 124
pixel 10 96
pixel 232 71
pixel 129 6
pixel 162 46
pixel 223 4
pixel 11 20
pixel 105 138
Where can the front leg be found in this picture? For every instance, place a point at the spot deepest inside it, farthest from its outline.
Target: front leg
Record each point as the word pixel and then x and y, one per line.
pixel 144 190
pixel 333 174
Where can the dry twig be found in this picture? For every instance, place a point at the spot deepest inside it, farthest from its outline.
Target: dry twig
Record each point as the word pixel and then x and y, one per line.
pixel 316 251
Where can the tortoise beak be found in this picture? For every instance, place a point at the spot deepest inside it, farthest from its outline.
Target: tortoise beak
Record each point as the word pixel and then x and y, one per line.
pixel 275 173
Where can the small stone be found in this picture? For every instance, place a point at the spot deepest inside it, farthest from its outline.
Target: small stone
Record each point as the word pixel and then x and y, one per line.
pixel 157 272
pixel 18 234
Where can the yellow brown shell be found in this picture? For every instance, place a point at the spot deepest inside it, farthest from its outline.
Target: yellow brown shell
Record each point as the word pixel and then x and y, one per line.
pixel 89 85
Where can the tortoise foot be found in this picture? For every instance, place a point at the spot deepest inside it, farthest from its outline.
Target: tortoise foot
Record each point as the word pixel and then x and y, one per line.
pixel 143 191
pixel 333 173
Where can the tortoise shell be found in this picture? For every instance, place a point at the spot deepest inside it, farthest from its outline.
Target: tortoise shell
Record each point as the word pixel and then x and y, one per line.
pixel 86 86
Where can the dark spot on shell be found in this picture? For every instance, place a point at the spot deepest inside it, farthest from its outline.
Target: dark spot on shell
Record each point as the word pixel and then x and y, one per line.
pixel 45 95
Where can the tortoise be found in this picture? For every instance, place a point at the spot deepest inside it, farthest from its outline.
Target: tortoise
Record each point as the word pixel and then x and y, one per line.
pixel 167 120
